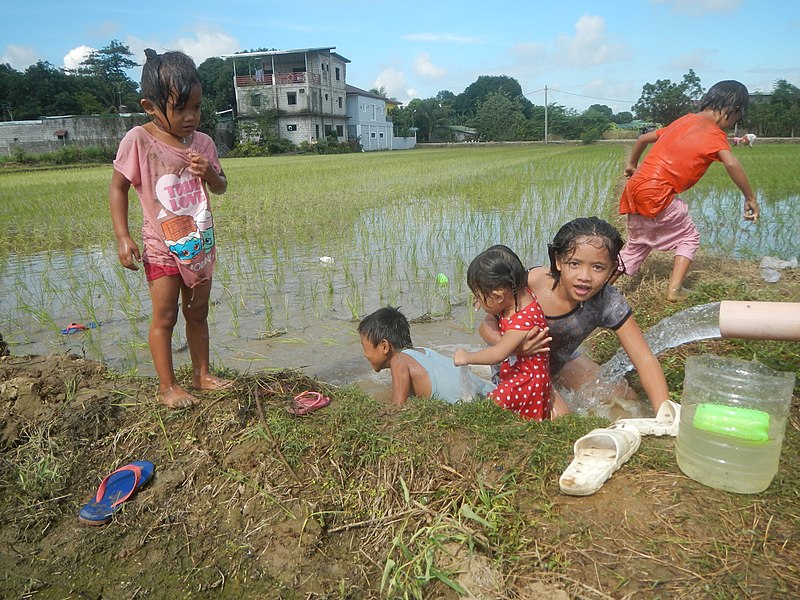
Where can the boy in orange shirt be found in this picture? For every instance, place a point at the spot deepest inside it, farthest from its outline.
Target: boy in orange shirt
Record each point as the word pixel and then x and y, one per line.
pixel 657 218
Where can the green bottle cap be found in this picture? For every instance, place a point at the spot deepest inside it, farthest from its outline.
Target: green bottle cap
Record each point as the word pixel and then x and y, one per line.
pixel 743 423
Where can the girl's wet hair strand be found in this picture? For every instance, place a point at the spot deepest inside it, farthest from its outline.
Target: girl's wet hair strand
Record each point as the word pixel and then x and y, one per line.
pixel 168 76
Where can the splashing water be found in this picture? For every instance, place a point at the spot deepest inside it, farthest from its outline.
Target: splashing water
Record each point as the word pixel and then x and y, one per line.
pixel 690 325
pixel 603 397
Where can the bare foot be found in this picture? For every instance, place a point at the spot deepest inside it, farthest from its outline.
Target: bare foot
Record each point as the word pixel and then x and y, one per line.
pixel 677 295
pixel 177 397
pixel 210 382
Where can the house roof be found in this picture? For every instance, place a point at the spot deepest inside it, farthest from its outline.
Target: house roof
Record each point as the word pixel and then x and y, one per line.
pixel 351 89
pixel 463 129
pixel 276 52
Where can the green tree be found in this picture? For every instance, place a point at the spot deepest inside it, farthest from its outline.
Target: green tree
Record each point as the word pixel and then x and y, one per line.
pixel 107 69
pixel 593 123
pixel 431 119
pixel 44 90
pixel 10 80
pixel 216 75
pixel 622 117
pixel 466 104
pixel 563 122
pixel 664 101
pixel 602 109
pixel 786 107
pixel 500 118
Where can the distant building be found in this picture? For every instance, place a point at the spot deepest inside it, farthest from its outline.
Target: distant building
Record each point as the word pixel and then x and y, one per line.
pixel 50 134
pixel 305 88
pixel 463 134
pixel 368 120
pixel 307 91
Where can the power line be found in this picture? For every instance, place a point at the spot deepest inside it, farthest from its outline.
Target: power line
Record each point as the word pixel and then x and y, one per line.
pixel 582 96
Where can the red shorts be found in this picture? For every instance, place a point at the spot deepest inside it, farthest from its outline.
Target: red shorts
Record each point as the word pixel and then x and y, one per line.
pixel 153 271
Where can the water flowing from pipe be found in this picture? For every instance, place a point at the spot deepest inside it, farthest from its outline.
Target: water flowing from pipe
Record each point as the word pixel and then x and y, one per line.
pixel 604 397
pixel 690 325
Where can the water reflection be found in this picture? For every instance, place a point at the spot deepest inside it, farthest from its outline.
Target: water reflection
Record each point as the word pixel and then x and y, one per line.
pixel 718 216
pixel 276 305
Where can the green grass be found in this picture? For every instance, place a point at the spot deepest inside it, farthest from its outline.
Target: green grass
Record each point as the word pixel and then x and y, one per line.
pixel 285 200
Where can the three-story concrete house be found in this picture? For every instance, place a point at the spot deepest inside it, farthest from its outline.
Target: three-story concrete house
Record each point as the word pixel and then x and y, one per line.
pixel 305 87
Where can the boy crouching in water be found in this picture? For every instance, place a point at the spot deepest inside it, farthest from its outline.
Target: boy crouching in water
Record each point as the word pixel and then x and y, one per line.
pixel 386 340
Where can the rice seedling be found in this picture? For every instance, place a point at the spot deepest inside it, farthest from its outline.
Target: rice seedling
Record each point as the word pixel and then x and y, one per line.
pixel 391 222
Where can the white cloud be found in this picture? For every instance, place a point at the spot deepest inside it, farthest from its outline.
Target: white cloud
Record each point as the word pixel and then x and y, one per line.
pixel 441 37
pixel 699 7
pixel 424 66
pixel 207 42
pixel 589 45
pixel 19 57
pixel 76 56
pixel 393 81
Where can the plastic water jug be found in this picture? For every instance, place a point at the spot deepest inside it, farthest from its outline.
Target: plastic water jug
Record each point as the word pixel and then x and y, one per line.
pixel 733 417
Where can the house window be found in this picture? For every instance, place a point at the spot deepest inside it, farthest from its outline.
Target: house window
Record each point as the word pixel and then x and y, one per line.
pixel 338 74
pixel 291 98
pixel 340 102
pixel 340 131
pixel 256 100
pixel 291 127
pixel 372 135
pixel 381 135
pixel 302 90
pixel 328 130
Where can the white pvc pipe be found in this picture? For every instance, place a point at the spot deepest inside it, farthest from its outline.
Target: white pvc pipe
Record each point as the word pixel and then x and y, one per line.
pixel 760 320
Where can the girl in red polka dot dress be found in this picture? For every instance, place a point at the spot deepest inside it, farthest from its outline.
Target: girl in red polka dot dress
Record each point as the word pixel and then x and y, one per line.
pixel 499 282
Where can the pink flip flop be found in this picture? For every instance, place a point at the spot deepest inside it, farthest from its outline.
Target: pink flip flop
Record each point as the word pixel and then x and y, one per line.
pixel 307 402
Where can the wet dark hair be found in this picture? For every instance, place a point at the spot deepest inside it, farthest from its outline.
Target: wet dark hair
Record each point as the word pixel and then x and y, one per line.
pixel 726 97
pixel 496 268
pixel 171 75
pixel 566 240
pixel 388 324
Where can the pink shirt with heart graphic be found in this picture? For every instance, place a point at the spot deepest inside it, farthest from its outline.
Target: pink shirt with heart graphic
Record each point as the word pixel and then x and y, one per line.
pixel 177 228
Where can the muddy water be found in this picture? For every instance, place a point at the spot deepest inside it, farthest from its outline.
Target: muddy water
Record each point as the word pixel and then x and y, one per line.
pixel 294 303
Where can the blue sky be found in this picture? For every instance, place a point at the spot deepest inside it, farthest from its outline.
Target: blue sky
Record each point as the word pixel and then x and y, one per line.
pixel 585 52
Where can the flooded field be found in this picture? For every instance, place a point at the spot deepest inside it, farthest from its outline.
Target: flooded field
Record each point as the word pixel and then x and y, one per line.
pixel 291 298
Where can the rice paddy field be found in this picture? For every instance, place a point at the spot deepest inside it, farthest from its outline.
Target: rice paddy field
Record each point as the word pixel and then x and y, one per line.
pixel 363 499
pixel 309 244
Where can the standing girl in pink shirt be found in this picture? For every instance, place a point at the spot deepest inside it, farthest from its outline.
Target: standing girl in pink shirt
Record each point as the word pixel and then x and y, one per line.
pixel 171 166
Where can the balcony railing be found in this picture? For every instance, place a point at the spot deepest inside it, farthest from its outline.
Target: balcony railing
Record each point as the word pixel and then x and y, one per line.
pixel 279 79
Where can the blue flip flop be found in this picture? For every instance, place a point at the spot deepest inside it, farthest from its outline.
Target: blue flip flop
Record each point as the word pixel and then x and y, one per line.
pixel 115 489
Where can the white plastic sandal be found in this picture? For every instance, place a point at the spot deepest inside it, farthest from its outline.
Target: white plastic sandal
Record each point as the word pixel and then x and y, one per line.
pixel 598 455
pixel 666 421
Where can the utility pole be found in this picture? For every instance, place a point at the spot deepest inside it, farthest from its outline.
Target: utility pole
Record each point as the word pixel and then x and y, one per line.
pixel 545 114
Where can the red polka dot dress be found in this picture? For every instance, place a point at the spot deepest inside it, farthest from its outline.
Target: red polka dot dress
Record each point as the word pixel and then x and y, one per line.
pixel 525 380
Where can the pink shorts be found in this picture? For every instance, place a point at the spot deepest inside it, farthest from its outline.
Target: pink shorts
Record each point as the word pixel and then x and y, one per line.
pixel 153 271
pixel 671 229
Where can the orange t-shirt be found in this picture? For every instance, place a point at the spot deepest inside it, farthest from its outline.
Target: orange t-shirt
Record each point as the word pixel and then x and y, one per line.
pixel 679 158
